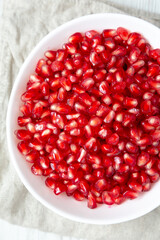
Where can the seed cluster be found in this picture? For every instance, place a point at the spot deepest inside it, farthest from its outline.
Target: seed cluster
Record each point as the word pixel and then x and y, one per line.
pixel 91 117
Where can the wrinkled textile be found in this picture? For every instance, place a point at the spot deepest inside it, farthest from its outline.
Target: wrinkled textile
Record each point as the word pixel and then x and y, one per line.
pixel 22 26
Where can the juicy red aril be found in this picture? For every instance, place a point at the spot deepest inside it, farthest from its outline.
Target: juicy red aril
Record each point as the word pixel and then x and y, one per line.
pixel 90 118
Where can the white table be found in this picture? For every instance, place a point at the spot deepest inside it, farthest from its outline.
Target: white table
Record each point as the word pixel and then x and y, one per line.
pixel 9 231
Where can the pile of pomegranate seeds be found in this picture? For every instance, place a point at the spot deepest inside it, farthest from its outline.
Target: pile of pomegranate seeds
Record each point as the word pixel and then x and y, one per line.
pixel 91 117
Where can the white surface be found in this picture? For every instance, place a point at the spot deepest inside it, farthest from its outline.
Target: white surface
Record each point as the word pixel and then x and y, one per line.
pixel 77 211
pixel 13 232
pixel 8 231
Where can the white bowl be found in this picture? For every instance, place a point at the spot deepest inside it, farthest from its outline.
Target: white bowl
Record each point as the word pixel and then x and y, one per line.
pixel 62 204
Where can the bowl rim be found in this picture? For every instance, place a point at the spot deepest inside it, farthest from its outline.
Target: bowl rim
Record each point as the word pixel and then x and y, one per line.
pixel 8 129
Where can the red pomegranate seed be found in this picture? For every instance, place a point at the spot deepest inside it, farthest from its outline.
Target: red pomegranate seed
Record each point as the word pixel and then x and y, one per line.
pixel 130 102
pixel 91 201
pixel 57 66
pixel 59 188
pixel 78 196
pixel 143 159
pixel 51 55
pixel 153 70
pixel 36 170
pixel 132 148
pixel 90 121
pixel 109 43
pixel 95 122
pixel 60 108
pixel 23 121
pixel 113 139
pixel 115 192
pixel 85 99
pixel 24 148
pixel 32 156
pixel 109 33
pixel 36 145
pixel 84 187
pixel 50 183
pixel 75 38
pixel 135 186
pixel 154 178
pixel 88 83
pixel 44 162
pixel 130 194
pixel 129 159
pixel 106 198
pixel 23 135
pixel 71 188
pixel 100 185
pixel 124 168
pixel 110 116
pixel 146 186
pixel 123 33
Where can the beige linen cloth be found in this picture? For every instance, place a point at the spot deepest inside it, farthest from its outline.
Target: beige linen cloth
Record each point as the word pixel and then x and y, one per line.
pixel 24 23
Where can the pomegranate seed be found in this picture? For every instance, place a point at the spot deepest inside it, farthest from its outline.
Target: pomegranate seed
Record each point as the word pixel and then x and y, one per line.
pixel 78 196
pixel 84 187
pixel 146 106
pixel 119 52
pixel 129 159
pixel 123 33
pixel 119 178
pixel 95 122
pixel 106 198
pixel 110 116
pixel 51 55
pixel 43 162
pixel 143 159
pixel 130 102
pixel 82 154
pixel 109 43
pixel 65 83
pixel 23 121
pixel 50 183
pixel 154 178
pixel 130 194
pixel 75 132
pixel 71 188
pixel 32 156
pixel 100 185
pixel 88 83
pixel 56 155
pixel 134 54
pixel 36 170
pixel 147 187
pixel 59 188
pixel 24 148
pixel 75 38
pixel 109 33
pixel 57 66
pixel 113 139
pixel 153 70
pixel 85 98
pixel 60 108
pixel 135 186
pixel 23 135
pixel 123 168
pixel 35 144
pixel 115 192
pixel 91 201
pixel 90 122
pixel 133 38
pixel 104 87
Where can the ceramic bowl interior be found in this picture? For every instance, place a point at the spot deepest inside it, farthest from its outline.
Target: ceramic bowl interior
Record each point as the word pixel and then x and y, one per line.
pixel 63 205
